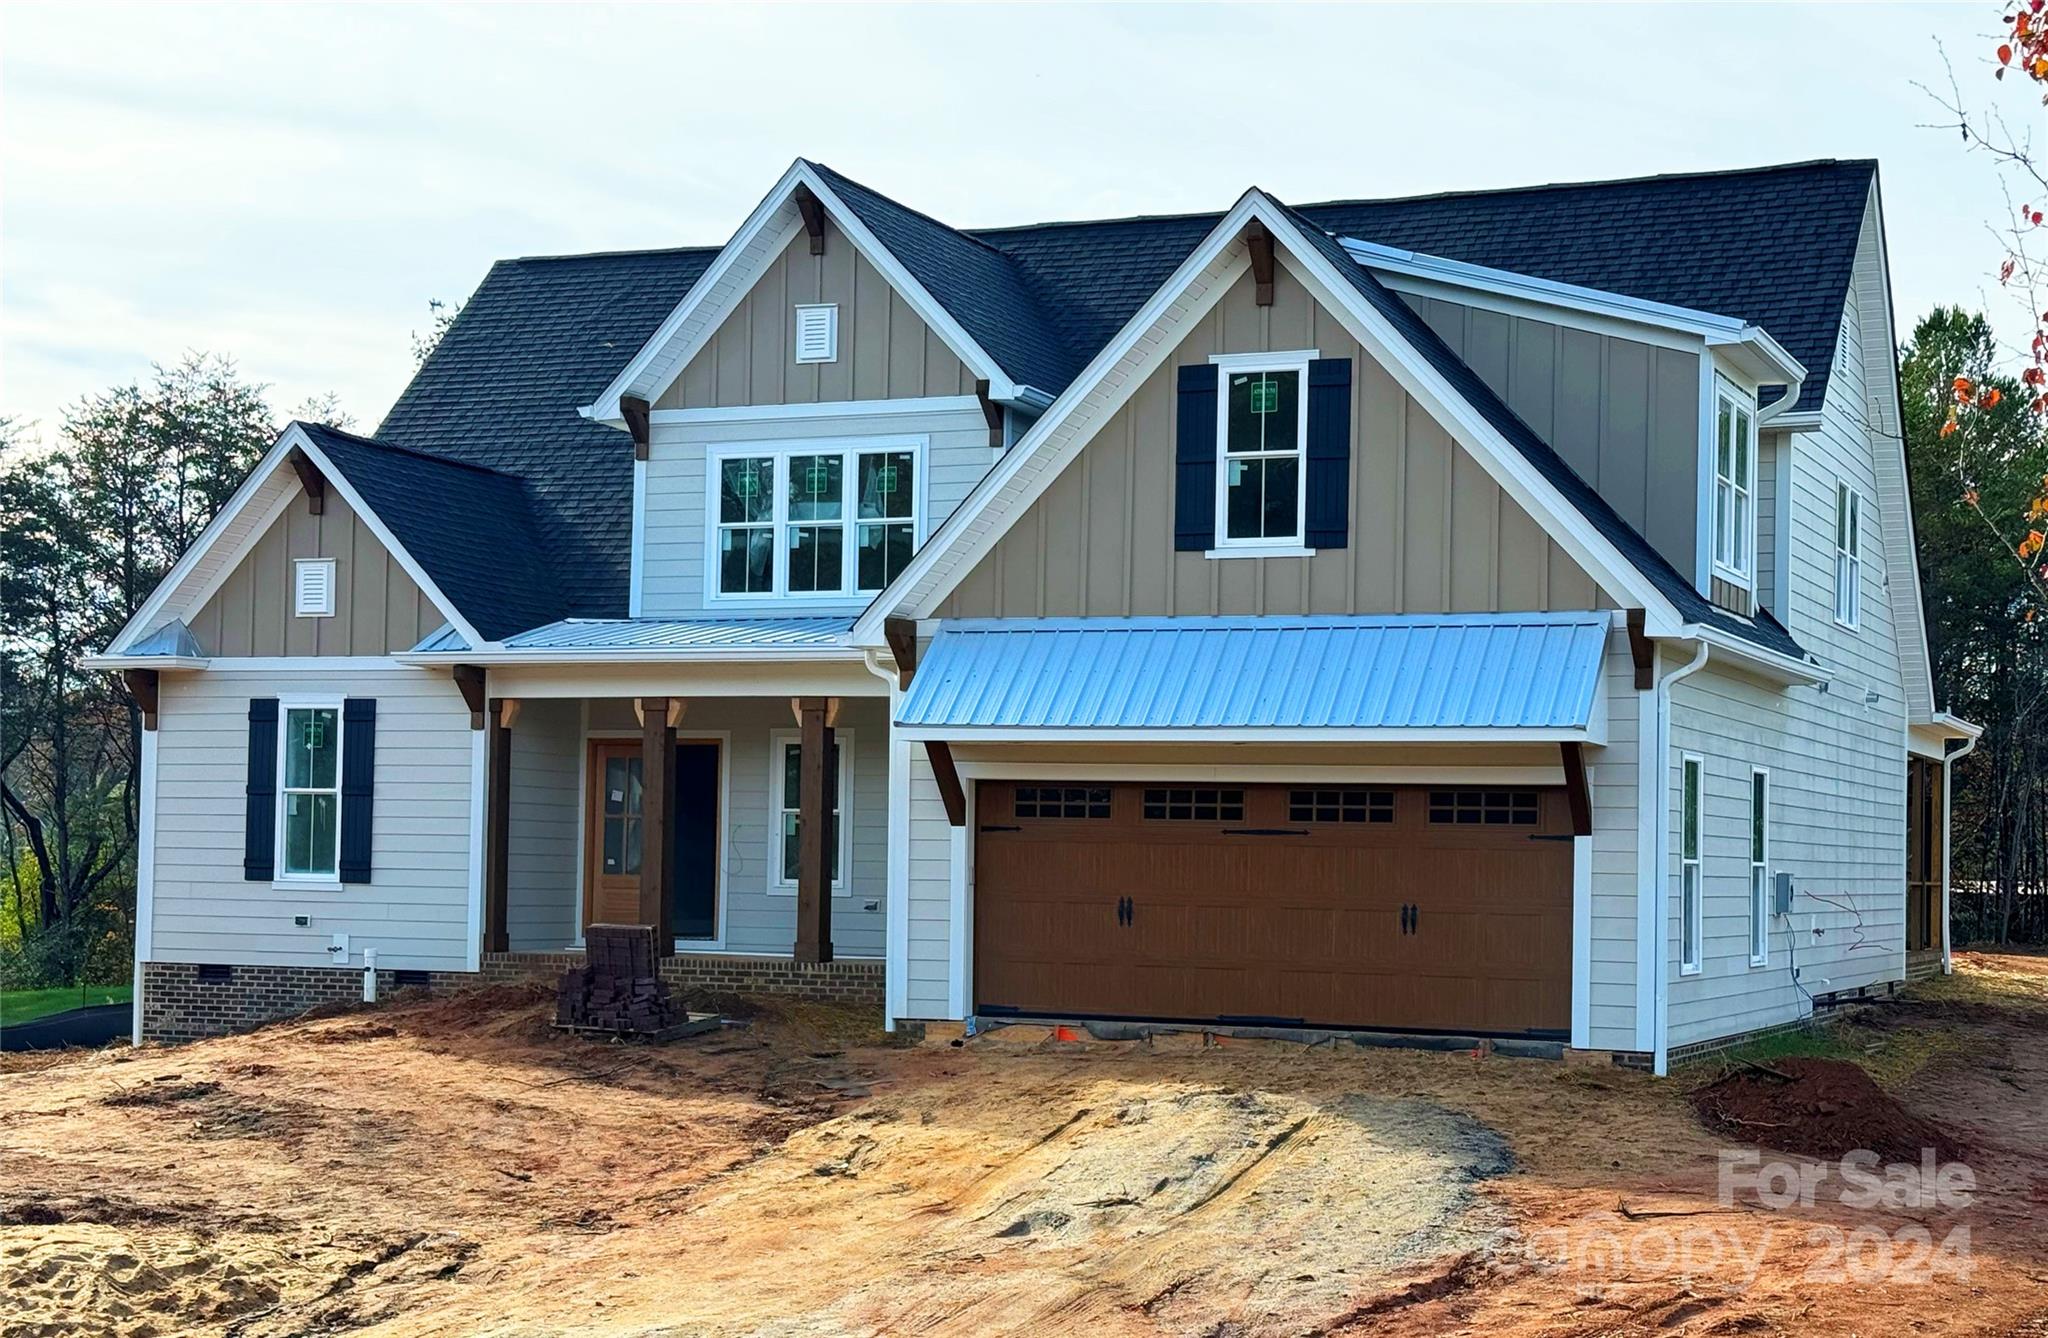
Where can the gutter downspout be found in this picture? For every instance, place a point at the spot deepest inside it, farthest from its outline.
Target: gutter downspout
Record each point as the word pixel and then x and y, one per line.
pixel 1948 963
pixel 1660 1059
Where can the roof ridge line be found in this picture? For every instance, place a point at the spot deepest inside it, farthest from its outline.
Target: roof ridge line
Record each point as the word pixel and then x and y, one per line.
pixel 954 228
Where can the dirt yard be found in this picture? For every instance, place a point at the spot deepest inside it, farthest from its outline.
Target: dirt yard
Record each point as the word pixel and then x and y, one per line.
pixel 457 1167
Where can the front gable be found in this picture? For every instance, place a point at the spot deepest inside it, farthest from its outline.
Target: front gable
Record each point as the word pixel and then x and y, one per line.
pixel 1429 530
pixel 884 349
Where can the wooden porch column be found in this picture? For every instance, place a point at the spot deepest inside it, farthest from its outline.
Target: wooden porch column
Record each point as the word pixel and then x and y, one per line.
pixel 815 837
pixel 498 826
pixel 657 820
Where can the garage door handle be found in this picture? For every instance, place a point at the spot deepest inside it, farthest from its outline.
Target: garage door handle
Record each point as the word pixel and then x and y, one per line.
pixel 1123 910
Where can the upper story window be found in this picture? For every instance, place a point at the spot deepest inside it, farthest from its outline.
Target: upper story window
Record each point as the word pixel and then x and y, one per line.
pixel 1848 555
pixel 1734 484
pixel 813 519
pixel 1260 480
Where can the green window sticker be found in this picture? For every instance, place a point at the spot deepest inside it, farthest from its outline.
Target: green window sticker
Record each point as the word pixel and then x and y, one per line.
pixel 1265 395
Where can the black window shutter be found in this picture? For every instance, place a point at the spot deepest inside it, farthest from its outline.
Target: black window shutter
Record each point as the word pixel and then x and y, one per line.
pixel 259 826
pixel 358 781
pixel 1329 452
pixel 1194 462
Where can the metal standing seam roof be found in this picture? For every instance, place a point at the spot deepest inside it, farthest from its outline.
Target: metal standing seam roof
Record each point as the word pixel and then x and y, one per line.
pixel 1407 672
pixel 685 634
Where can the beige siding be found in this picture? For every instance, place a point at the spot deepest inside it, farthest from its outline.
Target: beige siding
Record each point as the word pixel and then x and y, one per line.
pixel 377 607
pixel 1430 532
pixel 885 350
pixel 1611 779
pixel 1624 414
pixel 415 911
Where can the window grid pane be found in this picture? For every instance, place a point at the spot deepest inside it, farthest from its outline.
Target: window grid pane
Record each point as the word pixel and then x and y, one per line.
pixel 1194 805
pixel 1489 808
pixel 792 816
pixel 1062 801
pixel 1346 804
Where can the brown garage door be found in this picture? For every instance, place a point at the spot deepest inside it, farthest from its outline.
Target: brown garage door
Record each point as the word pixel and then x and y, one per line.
pixel 1371 906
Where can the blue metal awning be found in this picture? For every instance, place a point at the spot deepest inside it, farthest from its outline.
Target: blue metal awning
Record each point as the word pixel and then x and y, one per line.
pixel 1413 676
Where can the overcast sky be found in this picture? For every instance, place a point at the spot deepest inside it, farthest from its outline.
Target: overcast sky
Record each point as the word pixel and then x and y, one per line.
pixel 288 185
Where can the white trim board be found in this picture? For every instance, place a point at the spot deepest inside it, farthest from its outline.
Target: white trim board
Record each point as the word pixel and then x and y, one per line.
pixel 1147 341
pixel 733 273
pixel 784 413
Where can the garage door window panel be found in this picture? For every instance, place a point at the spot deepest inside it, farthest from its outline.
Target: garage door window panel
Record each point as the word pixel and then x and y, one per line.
pixel 1350 804
pixel 1194 805
pixel 1485 808
pixel 1085 802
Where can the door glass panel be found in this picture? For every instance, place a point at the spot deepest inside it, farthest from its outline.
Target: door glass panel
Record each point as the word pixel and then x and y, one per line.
pixel 621 815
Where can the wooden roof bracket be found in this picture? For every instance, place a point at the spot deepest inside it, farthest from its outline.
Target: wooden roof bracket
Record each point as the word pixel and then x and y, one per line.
pixel 992 413
pixel 1642 650
pixel 312 480
pixel 1261 243
pixel 637 415
pixel 142 686
pixel 901 634
pixel 814 218
pixel 1576 792
pixel 469 678
pixel 951 792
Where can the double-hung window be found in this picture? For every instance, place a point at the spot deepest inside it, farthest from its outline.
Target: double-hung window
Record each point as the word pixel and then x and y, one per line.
pixel 819 520
pixel 1759 867
pixel 1691 903
pixel 787 761
pixel 1734 484
pixel 1848 555
pixel 1261 476
pixel 309 797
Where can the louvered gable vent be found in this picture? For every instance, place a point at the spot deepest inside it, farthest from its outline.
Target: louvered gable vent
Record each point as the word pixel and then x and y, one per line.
pixel 313 588
pixel 817 333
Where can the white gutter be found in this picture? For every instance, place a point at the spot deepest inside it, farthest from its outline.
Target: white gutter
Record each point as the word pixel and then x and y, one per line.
pixel 1948 963
pixel 1754 658
pixel 1660 1058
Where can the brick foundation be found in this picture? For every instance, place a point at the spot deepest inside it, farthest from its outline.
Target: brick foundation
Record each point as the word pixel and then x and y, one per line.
pixel 178 1006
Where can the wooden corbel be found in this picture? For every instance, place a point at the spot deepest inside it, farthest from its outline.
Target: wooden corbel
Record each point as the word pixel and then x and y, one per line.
pixel 470 679
pixel 674 712
pixel 1576 792
pixel 992 413
pixel 142 686
pixel 637 415
pixel 901 634
pixel 1261 243
pixel 814 218
pixel 1643 651
pixel 951 792
pixel 797 706
pixel 312 480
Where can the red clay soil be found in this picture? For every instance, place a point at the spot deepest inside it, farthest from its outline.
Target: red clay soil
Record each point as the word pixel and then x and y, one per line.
pixel 1824 1108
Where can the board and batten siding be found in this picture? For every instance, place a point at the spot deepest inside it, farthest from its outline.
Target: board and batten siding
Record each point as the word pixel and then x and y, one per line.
pixel 886 351
pixel 416 908
pixel 1624 414
pixel 543 887
pixel 760 917
pixel 676 535
pixel 1429 529
pixel 377 607
pixel 1837 760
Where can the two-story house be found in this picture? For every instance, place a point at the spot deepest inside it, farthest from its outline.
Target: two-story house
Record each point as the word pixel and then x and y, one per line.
pixel 1489 614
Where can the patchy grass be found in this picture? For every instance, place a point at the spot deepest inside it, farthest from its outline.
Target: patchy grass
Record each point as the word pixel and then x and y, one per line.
pixel 2000 977
pixel 19 1006
pixel 1891 1055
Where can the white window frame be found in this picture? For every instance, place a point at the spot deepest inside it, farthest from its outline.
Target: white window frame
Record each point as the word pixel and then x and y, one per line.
pixel 1296 544
pixel 1759 866
pixel 1692 893
pixel 782 883
pixel 831 318
pixel 330 881
pixel 299 609
pixel 1738 566
pixel 1848 555
pixel 849 449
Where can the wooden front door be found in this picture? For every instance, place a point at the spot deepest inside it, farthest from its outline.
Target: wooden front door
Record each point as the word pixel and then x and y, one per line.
pixel 1366 906
pixel 612 834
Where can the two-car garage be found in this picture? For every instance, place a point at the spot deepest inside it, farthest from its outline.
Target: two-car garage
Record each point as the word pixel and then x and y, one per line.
pixel 1445 908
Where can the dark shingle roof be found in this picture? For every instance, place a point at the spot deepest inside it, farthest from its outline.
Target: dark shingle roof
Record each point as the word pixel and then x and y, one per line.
pixel 538 340
pixel 1691 605
pixel 544 335
pixel 471 528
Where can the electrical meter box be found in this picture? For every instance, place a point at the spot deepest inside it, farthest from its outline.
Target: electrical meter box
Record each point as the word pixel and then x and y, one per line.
pixel 1781 894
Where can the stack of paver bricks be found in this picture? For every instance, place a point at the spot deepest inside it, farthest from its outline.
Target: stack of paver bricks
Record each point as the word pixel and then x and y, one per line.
pixel 617 988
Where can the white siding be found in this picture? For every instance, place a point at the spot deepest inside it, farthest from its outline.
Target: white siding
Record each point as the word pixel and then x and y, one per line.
pixel 1837 759
pixel 931 896
pixel 1611 777
pixel 416 909
pixel 540 880
pixel 675 540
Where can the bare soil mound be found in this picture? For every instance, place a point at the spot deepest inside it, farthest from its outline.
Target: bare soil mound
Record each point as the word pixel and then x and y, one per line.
pixel 1824 1108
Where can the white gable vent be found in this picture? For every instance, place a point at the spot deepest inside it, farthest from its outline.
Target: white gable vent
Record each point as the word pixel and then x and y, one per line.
pixel 313 587
pixel 817 333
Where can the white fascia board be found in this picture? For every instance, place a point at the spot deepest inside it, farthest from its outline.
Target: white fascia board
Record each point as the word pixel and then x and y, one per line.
pixel 964 532
pixel 697 317
pixel 1754 659
pixel 384 535
pixel 1955 727
pixel 144 662
pixel 709 655
pixel 783 413
pixel 968 734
